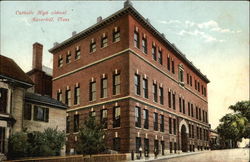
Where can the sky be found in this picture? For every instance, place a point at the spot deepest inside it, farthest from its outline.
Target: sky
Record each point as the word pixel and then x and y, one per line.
pixel 213 35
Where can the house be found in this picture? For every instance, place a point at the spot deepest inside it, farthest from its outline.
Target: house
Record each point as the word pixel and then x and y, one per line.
pixel 22 110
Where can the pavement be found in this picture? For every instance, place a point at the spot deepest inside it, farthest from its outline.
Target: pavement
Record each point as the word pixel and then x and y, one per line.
pixel 228 155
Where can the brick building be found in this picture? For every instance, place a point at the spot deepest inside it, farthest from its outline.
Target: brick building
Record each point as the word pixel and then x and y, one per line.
pixel 128 75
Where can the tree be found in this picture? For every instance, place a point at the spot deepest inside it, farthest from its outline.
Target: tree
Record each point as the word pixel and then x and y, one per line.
pixel 232 126
pixel 242 107
pixel 91 137
pixel 18 145
pixel 36 144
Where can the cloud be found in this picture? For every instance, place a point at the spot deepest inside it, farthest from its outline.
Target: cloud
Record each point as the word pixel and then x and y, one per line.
pixel 169 21
pixel 214 26
pixel 197 33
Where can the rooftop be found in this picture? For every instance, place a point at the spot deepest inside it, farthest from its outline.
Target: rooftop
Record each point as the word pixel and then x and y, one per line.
pixel 11 71
pixel 44 100
pixel 128 8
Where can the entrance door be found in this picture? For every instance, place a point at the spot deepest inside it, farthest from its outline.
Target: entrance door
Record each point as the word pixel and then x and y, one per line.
pixel 183 139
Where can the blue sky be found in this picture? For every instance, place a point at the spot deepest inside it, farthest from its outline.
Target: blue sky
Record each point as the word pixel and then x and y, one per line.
pixel 213 35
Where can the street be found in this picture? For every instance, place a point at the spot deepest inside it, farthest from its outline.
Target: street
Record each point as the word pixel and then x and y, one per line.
pixel 230 155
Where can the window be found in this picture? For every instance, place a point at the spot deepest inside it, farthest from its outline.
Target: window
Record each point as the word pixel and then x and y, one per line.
pixel 116 35
pixel 192 110
pixel 192 131
pixel 171 147
pixel 162 147
pixel 189 128
pixel 154 52
pixel 92 47
pixel 173 95
pixel 170 125
pixel 202 89
pixel 78 53
pixel 27 111
pixel 144 45
pixel 155 92
pixel 104 87
pixel 168 63
pixel 206 117
pixel 67 124
pixel 199 114
pixel 104 42
pixel 160 57
pixel 77 95
pixel 116 144
pixel 137 144
pixel 2 140
pixel 180 107
pixel 189 109
pixel 3 100
pixel 116 84
pixel 197 132
pixel 183 106
pixel 175 147
pixel 136 39
pixel 196 112
pixel 198 86
pixel 60 62
pixel 173 71
pixel 145 87
pixel 116 117
pixel 181 72
pixel 146 146
pixel 187 78
pixel 104 118
pixel 59 96
pixel 190 81
pixel 76 122
pixel 68 97
pixel 156 146
pixel 203 115
pixel 156 121
pixel 138 117
pixel 195 84
pixel 161 123
pixel 200 133
pixel 41 113
pixel 137 84
pixel 92 91
pixel 169 99
pixel 174 123
pixel 145 117
pixel 68 58
pixel 205 92
pixel 161 95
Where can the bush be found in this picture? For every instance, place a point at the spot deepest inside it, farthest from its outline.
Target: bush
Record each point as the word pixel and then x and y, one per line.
pixel 36 144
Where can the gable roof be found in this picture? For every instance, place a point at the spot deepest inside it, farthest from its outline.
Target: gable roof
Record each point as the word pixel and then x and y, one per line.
pixel 44 100
pixel 129 9
pixel 11 71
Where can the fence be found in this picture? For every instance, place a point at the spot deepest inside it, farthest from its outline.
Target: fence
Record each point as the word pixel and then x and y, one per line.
pixel 76 158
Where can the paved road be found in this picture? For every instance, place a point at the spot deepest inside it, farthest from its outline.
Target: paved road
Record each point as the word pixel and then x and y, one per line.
pixel 232 155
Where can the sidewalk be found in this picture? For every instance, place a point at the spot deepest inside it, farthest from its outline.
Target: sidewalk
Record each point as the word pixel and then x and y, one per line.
pixel 167 156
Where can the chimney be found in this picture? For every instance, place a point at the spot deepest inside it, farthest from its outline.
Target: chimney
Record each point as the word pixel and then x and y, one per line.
pixel 127 3
pixel 99 19
pixel 37 56
pixel 73 33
